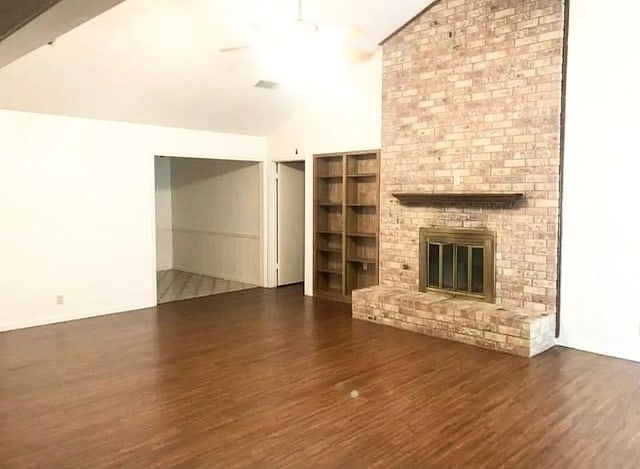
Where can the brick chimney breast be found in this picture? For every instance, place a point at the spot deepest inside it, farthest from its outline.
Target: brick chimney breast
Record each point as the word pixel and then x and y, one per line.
pixel 471 103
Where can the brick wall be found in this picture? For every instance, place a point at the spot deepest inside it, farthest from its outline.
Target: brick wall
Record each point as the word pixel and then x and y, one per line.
pixel 471 102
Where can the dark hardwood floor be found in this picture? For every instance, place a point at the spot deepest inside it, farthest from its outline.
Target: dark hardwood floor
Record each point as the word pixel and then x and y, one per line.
pixel 263 378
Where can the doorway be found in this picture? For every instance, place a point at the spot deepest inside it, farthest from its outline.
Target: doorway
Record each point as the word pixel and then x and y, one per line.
pixel 290 191
pixel 208 235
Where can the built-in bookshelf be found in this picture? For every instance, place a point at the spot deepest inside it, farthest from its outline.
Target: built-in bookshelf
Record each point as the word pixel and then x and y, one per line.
pixel 346 223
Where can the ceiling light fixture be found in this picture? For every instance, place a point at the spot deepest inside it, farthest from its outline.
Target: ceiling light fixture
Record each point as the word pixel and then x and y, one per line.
pixel 305 37
pixel 303 26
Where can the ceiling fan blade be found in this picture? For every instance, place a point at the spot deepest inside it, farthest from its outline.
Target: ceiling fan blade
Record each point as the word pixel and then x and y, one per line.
pixel 342 34
pixel 235 49
pixel 358 55
pixel 352 32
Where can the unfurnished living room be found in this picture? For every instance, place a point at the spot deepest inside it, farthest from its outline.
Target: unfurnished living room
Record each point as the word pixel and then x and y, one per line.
pixel 319 233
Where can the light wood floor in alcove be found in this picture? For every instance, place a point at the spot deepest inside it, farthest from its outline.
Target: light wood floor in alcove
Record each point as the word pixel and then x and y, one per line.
pixel 262 378
pixel 175 285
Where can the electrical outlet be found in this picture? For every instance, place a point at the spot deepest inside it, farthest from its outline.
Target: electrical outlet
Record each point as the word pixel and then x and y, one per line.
pixel 60 299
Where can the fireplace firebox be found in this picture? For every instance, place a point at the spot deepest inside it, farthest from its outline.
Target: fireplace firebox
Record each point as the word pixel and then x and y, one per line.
pixel 458 261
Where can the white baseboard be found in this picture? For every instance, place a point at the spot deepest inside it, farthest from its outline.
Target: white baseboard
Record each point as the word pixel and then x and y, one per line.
pixel 613 351
pixel 48 320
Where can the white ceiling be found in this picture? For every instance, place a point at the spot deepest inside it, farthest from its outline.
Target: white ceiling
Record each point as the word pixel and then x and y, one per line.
pixel 157 62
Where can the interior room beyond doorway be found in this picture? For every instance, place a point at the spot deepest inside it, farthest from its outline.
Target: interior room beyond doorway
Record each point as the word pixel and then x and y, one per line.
pixel 208 237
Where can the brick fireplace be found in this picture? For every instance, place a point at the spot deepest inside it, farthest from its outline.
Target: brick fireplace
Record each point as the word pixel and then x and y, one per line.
pixel 471 104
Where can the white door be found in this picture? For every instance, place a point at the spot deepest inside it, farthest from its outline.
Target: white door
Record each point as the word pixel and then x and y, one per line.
pixel 290 222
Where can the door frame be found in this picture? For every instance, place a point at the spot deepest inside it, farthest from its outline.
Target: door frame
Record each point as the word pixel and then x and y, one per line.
pixel 270 241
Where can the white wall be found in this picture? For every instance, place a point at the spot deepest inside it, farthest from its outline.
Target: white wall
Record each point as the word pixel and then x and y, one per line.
pixel 600 248
pixel 164 225
pixel 217 218
pixel 345 116
pixel 77 205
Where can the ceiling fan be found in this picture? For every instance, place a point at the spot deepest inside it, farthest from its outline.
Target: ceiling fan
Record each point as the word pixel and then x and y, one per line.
pixel 346 38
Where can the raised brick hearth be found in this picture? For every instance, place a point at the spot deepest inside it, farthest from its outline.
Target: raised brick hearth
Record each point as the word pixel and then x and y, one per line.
pixel 485 325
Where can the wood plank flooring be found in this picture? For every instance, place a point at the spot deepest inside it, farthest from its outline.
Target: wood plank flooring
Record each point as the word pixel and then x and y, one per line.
pixel 262 378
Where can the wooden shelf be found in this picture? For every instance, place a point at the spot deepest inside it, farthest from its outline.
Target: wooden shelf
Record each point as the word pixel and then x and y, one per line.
pixel 347 257
pixel 439 198
pixel 329 271
pixel 363 235
pixel 334 250
pixel 333 291
pixel 362 261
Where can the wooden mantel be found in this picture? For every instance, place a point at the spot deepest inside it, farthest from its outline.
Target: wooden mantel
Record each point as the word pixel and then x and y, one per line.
pixel 441 198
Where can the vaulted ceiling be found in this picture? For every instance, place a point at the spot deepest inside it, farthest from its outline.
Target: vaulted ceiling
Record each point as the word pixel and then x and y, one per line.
pixel 14 14
pixel 26 25
pixel 158 62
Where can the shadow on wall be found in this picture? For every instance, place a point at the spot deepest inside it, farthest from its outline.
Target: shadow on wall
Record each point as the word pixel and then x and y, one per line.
pixel 187 171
